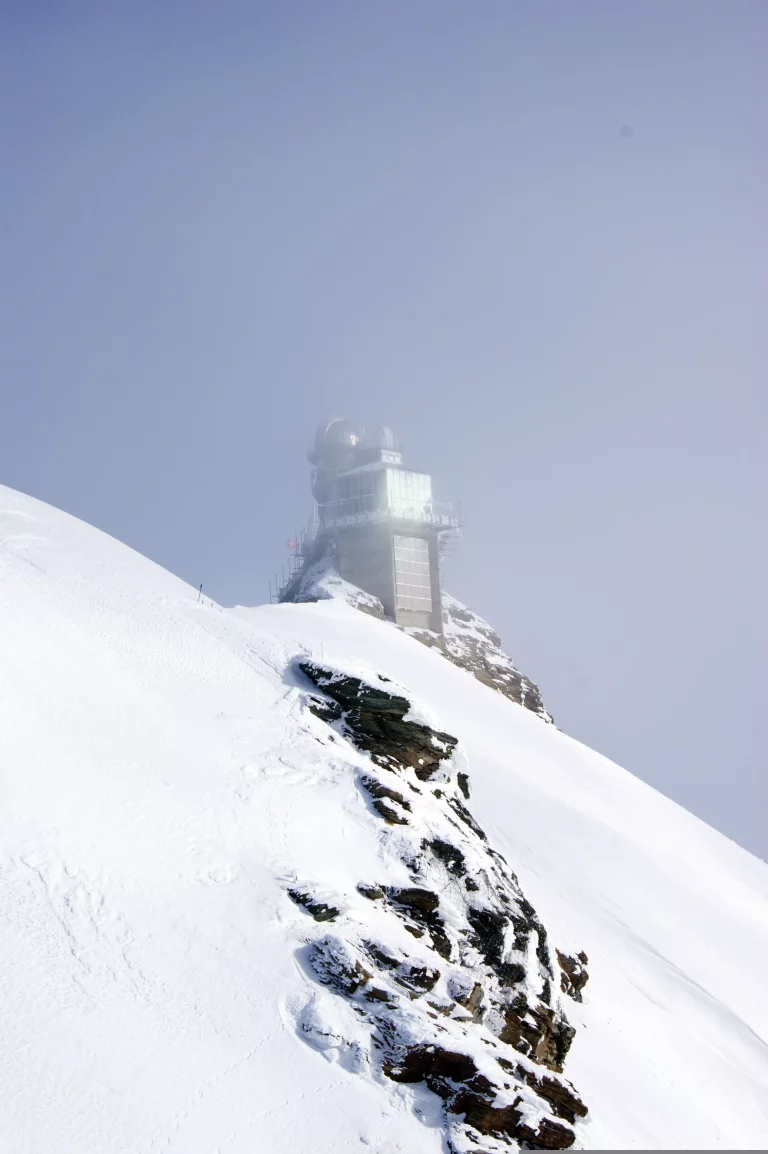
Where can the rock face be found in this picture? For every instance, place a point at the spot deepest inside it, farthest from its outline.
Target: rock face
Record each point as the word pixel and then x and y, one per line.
pixel 470 642
pixel 444 963
pixel 374 719
pixel 573 975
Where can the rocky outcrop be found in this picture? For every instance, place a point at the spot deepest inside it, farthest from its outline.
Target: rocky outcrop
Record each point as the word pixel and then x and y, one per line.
pixel 375 722
pixel 319 910
pixel 470 642
pixel 573 974
pixel 455 1078
pixel 451 973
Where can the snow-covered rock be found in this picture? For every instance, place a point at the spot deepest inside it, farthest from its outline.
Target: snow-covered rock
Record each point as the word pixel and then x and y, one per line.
pixel 471 643
pixel 467 639
pixel 191 854
pixel 320 581
pixel 473 1009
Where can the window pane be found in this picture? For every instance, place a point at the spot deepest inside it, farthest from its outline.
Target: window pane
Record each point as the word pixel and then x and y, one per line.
pixel 412 579
pixel 409 494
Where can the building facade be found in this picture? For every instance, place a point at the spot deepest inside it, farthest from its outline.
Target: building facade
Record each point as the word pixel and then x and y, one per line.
pixel 380 521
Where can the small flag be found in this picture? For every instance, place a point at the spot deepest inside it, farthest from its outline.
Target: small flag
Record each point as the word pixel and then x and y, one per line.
pixel 291 543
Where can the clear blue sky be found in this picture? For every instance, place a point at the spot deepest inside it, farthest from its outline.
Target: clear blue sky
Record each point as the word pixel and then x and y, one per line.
pixel 529 235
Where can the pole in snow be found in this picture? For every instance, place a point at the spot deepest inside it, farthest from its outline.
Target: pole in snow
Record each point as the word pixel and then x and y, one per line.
pixel 200 593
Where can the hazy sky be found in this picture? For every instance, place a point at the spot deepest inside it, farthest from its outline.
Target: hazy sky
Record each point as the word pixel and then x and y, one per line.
pixel 529 235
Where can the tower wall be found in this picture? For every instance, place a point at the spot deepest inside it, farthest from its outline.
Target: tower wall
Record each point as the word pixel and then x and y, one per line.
pixel 364 557
pixel 382 520
pixel 424 617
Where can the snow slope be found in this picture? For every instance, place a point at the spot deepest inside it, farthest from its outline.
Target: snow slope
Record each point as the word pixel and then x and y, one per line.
pixel 163 784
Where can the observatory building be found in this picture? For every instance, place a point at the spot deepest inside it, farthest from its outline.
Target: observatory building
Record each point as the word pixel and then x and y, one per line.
pixel 379 523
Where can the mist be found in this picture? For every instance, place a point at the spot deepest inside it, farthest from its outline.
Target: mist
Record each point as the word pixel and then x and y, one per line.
pixel 529 237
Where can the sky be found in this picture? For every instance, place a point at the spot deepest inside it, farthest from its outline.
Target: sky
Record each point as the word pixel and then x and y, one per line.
pixel 530 236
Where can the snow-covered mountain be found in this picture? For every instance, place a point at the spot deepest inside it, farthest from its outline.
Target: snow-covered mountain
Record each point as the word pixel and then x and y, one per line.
pixel 284 878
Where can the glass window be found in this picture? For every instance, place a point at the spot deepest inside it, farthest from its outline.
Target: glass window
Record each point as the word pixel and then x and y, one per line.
pixel 409 495
pixel 413 586
pixel 358 493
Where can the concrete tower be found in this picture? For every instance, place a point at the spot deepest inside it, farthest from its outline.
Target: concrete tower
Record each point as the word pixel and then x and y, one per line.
pixel 379 521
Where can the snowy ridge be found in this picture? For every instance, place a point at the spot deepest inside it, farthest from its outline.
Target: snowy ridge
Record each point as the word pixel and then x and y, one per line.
pixel 166 786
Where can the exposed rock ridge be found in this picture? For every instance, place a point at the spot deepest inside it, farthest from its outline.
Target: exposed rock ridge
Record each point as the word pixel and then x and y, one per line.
pixel 472 643
pixel 444 965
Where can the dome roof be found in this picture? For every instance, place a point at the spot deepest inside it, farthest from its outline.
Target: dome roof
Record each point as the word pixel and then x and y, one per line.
pixel 338 432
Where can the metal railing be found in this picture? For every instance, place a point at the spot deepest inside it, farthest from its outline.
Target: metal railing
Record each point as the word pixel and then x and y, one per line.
pixel 302 547
pixel 438 513
pixel 337 514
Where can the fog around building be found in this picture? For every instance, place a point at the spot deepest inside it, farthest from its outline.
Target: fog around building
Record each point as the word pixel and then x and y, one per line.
pixel 529 237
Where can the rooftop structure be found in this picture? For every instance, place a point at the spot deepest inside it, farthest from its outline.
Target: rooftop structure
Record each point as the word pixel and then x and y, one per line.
pixel 378 520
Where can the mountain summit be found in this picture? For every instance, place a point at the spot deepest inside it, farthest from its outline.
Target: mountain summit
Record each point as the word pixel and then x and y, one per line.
pixel 284 878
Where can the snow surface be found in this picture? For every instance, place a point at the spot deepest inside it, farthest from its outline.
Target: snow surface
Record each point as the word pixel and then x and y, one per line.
pixel 320 581
pixel 163 783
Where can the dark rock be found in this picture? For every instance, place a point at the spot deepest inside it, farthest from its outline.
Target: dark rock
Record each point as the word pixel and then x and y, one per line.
pixel 391 815
pixel 482 1116
pixel 419 978
pixel 383 794
pixel 561 1098
pixel 476 1103
pixel 537 1031
pixel 422 1062
pixel 422 905
pixel 335 971
pixel 374 721
pixel 327 711
pixel 373 893
pixel 422 901
pixel 374 994
pixel 378 789
pixel 489 932
pixel 451 857
pixel 462 812
pixel 516 1031
pixel 574 976
pixel 319 911
pixel 560 1095
pixel 551 1136
pixel 381 957
pixel 542 949
pixel 510 973
pixel 522 927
